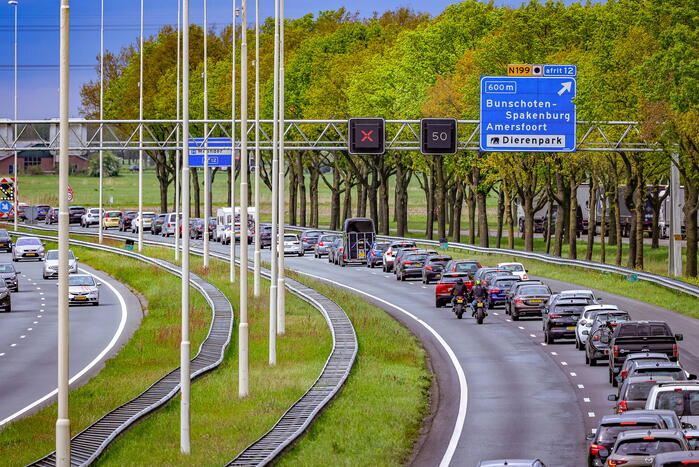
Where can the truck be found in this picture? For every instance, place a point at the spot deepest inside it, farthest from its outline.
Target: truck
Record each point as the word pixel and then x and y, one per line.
pixel 224 219
pixel 358 234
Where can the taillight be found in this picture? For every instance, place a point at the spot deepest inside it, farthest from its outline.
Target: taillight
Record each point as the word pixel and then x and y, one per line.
pixel 616 351
pixel 594 449
pixel 554 316
pixel 675 351
pixel 495 290
pixel 518 300
pixel 613 463
pixel 622 407
pixel 429 268
pixel 321 243
pixel 525 277
pixel 624 374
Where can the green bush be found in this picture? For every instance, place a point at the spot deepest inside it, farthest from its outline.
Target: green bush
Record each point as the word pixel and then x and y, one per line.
pixel 111 165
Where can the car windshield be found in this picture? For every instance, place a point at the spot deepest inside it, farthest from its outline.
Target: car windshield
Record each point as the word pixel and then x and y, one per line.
pixel 380 246
pixel 287 238
pixel 465 267
pixel 4 235
pixel 80 280
pixel 313 234
pixel 608 433
pixel 643 447
pixel 513 267
pixel 5 268
pixel 534 290
pixel 28 242
pixel 639 391
pixel 325 238
pixel 53 255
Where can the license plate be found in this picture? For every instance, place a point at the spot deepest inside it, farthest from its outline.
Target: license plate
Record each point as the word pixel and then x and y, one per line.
pixel 81 298
pixel 460 301
pixel 362 254
pixel 3 244
pixel 571 328
pixel 31 254
pixel 535 301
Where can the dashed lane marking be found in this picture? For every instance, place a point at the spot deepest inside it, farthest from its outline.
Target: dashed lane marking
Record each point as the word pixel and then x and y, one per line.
pixel 29 329
pixel 586 399
pixel 591 414
pixel 35 322
pixel 2 353
pixel 521 327
pixel 22 336
pixel 532 335
pixel 580 386
pixel 13 345
pixel 564 363
pixel 572 374
pixel 554 353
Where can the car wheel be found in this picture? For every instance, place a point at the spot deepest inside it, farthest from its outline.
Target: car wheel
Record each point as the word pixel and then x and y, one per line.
pixel 95 303
pixel 577 343
pixel 490 305
pixel 45 276
pixel 550 339
pixel 587 359
pixel 515 317
pixel 301 254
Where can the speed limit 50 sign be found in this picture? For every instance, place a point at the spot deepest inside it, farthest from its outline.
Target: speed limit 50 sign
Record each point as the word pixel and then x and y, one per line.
pixel 438 136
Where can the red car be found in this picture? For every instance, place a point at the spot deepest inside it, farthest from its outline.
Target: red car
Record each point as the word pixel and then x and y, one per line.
pixel 442 293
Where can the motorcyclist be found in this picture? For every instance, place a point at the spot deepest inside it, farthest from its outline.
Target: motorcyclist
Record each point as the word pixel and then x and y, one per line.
pixel 459 289
pixel 478 292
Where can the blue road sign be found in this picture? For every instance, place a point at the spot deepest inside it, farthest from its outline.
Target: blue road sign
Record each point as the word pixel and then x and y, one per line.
pixel 560 70
pixel 219 151
pixel 528 114
pixel 5 207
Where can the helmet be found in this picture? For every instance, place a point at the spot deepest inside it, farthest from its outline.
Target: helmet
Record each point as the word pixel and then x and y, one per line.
pixel 478 282
pixel 459 281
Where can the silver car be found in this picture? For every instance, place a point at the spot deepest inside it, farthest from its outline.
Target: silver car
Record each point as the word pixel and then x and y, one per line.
pixel 587 317
pixel 292 245
pixel 323 244
pixel 82 288
pixel 8 274
pixel 28 248
pixel 51 264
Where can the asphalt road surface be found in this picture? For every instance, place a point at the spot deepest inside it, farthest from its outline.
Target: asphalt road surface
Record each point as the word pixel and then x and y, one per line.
pixel 525 399
pixel 28 337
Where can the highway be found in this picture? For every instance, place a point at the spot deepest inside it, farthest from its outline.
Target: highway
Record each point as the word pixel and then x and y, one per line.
pixel 522 398
pixel 28 334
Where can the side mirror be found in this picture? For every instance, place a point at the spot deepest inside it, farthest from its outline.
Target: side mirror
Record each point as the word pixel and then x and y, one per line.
pixel 590 436
pixel 692 377
pixel 612 397
pixel 679 337
pixel 99 284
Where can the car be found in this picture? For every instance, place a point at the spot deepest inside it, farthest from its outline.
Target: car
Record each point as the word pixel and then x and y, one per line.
pixel 5 299
pixel 41 211
pixel 375 255
pixel 22 210
pixel 251 232
pixel 463 265
pixel 410 265
pixel 390 254
pixel 633 393
pixel 609 428
pixel 266 236
pixel 671 419
pixel 90 217
pixel 640 357
pixel 434 265
pixel 75 214
pixel 442 293
pixel 512 463
pixel 309 239
pixel 682 397
pixel 135 223
pixel 582 329
pixel 597 343
pixel 51 216
pixel 497 289
pixel 401 254
pixel 5 241
pixel 196 228
pixel 667 368
pixel 560 319
pixel 156 226
pixel 111 219
pixel 127 220
pixel 323 246
pixel 168 226
pixel 51 264
pixel 692 436
pixel 8 274
pixel 528 300
pixel 335 249
pixel 83 288
pixel 28 248
pixel 213 222
pixel 516 269
pixel 638 448
pixel 582 295
pixel 486 274
pixel 292 245
pixel 677 458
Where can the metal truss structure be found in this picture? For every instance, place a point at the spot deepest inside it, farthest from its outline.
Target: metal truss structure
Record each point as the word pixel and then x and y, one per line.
pixel 307 135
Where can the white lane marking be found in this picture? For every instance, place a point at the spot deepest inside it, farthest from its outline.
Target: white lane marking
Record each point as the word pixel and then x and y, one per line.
pixel 22 336
pixel 508 320
pixel 35 322
pixel 580 386
pixel 521 327
pixel 591 414
pixel 572 374
pixel 387 277
pixel 38 316
pixel 496 313
pixel 424 286
pixel 586 399
pixel 532 335
pixel 13 345
pixel 374 273
pixel 95 361
pixel 39 288
pixel 564 363
pixel 463 397
pixel 544 344
pixel 41 293
pixel 554 353
pixel 29 329
pixel 2 353
pixel 43 298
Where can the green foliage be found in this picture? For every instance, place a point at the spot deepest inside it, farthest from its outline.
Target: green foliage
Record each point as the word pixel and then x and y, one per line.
pixel 110 165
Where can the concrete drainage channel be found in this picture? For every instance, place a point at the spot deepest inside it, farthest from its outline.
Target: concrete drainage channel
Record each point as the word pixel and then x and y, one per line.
pixel 299 417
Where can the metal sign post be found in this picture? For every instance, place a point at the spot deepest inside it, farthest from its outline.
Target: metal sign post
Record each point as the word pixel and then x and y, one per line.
pixel 675 250
pixel 243 378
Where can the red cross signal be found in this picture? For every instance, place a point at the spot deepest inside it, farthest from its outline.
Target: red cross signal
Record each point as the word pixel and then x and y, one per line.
pixel 366 135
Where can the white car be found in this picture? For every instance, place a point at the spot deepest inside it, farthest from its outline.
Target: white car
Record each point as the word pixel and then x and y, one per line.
pixel 587 317
pixel 82 288
pixel 516 269
pixel 292 245
pixel 682 397
pixel 28 248
pixel 169 225
pixel 51 264
pixel 92 216
pixel 389 255
pixel 147 222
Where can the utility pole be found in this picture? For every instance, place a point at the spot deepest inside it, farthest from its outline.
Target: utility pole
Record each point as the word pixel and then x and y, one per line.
pixel 256 279
pixel 101 184
pixel 281 289
pixel 675 250
pixel 243 387
pixel 140 138
pixel 207 175
pixel 63 420
pixel 15 4
pixel 231 276
pixel 178 153
pixel 184 346
pixel 275 198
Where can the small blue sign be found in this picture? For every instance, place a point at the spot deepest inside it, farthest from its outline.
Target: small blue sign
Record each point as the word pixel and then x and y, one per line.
pixel 560 70
pixel 5 207
pixel 528 114
pixel 219 152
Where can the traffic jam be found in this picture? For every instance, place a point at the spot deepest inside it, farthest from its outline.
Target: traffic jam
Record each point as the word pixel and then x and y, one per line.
pixel 655 417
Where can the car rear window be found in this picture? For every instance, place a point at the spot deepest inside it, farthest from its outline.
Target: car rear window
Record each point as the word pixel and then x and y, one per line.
pixel 534 290
pixel 644 447
pixel 380 246
pixel 287 238
pixel 675 373
pixel 312 234
pixel 504 283
pixel 683 403
pixel 644 329
pixel 565 308
pixel 440 260
pixel 513 267
pixel 465 267
pixel 416 258
pixel 609 433
pixel 451 279
pixel 638 391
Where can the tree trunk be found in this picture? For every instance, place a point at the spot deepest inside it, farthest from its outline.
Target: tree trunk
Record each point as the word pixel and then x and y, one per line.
pixel 573 220
pixel 528 207
pixel 501 214
pixel 591 220
pixel 197 193
pixel 335 199
pixel 313 194
pixel 549 222
pixel 438 168
pixel 471 203
pixel 617 228
pixel 347 202
pixel 483 233
pixel 509 208
pixel 302 189
pixel 690 208
pixel 384 210
pixel 458 207
pixel 373 198
pixel 429 213
pixel 640 213
pixel 401 200
pixel 603 230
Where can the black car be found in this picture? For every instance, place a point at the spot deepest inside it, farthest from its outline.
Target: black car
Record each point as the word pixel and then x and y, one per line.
pixel 335 250
pixel 8 274
pixel 5 299
pixel 126 220
pixel 410 265
pixel 609 428
pixel 51 216
pixel 434 265
pixel 5 241
pixel 401 254
pixel 157 226
pixel 633 394
pixel 527 299
pixel 265 235
pixel 560 320
pixel 75 214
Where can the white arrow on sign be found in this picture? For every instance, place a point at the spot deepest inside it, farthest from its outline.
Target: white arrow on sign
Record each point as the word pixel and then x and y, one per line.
pixel 565 87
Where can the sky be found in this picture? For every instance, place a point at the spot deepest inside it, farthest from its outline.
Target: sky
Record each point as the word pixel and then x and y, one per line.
pixel 38 39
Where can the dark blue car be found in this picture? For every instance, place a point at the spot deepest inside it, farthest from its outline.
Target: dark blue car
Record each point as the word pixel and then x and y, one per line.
pixel 498 288
pixel 376 254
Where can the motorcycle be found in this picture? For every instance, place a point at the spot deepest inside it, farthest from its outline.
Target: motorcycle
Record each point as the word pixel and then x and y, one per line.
pixel 479 311
pixel 459 303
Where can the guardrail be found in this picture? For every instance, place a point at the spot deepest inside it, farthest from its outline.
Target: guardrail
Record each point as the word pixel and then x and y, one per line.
pixel 295 421
pixel 87 445
pixel 674 284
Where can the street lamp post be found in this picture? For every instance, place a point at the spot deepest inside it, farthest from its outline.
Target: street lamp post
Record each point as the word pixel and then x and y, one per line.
pixel 243 387
pixel 15 4
pixel 207 178
pixel 101 183
pixel 178 153
pixel 256 279
pixel 140 137
pixel 281 289
pixel 275 198
pixel 231 275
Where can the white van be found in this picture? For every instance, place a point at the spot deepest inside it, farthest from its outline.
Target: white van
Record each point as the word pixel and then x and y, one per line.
pixel 169 224
pixel 223 221
pixel 682 397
